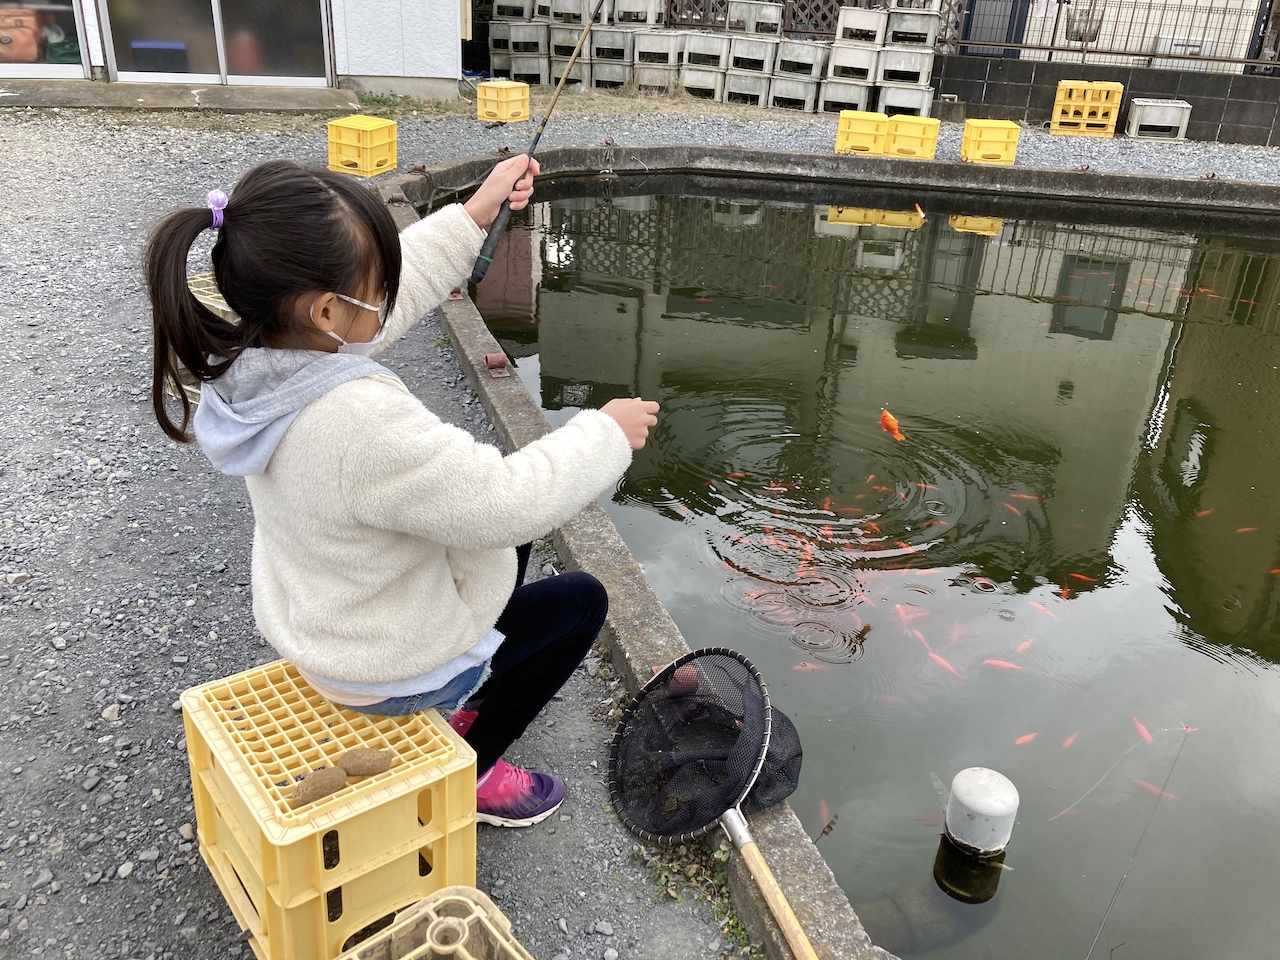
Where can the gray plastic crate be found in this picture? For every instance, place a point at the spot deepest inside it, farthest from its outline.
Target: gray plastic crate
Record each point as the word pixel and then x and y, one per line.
pixel 707 83
pixel 752 54
pixel 749 88
pixel 802 59
pixel 905 65
pixel 710 50
pixel 913 27
pixel 787 93
pixel 905 98
pixel 853 62
pixel 860 25
pixel 754 17
pixel 840 95
pixel 612 44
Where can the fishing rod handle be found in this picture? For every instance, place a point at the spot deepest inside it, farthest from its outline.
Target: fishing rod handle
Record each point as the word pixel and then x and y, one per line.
pixel 496 230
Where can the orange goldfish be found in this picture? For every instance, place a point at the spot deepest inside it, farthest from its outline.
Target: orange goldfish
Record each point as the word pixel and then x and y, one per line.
pixel 1043 609
pixel 1026 738
pixel 823 813
pixel 889 424
pixel 1026 496
pixel 1011 508
pixel 920 636
pixel 1022 647
pixel 927 486
pixel 1066 744
pixel 1205 513
pixel 943 664
pixel 826 505
pixel 805 666
pixel 1152 789
pixel 1065 593
pixel 1081 577
pixel 1275 572
pixel 1003 665
pixel 1245 529
pixel 1142 731
pixel 907 615
pixel 882 489
pixel 870 477
pixel 704 300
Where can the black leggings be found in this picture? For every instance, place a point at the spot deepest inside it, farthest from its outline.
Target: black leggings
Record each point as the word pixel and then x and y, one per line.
pixel 548 626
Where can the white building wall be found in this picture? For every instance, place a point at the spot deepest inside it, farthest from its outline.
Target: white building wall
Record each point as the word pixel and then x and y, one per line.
pixel 398 46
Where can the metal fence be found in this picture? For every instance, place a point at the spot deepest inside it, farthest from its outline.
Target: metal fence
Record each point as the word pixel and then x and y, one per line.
pixel 1217 36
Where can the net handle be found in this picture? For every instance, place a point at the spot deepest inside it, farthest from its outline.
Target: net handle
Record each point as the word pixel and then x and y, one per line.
pixel 659 678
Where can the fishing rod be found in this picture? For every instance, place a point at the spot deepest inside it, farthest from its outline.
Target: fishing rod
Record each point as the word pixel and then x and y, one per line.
pixel 499 225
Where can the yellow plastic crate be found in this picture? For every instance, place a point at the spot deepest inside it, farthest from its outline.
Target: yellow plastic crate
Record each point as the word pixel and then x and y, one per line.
pixel 860 216
pixel 1086 108
pixel 862 132
pixel 912 137
pixel 303 880
pixel 901 219
pixel 456 923
pixel 986 226
pixel 363 145
pixel 990 141
pixel 503 101
pixel 205 289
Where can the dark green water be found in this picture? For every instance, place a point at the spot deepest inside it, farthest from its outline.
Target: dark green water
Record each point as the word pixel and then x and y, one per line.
pixel 1078 534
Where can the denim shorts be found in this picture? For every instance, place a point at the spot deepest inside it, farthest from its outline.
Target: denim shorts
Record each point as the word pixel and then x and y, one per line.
pixel 457 691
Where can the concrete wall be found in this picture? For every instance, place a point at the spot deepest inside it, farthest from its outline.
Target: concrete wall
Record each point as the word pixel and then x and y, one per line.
pixel 409 47
pixel 1224 107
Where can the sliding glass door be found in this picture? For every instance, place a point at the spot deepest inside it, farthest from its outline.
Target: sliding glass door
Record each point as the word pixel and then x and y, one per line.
pixel 280 42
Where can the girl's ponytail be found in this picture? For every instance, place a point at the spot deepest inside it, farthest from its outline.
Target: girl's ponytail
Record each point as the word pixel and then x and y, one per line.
pixel 185 329
pixel 289 232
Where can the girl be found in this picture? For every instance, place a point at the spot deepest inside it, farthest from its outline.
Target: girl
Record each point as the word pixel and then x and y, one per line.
pixel 384 560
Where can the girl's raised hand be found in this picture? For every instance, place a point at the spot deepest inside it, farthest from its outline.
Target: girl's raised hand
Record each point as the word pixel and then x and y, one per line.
pixel 635 417
pixel 510 180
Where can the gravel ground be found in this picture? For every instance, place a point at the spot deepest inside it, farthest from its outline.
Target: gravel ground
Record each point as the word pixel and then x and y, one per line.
pixel 124 559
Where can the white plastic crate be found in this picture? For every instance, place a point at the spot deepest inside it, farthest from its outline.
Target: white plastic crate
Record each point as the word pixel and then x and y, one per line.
pixel 709 50
pixel 914 27
pixel 500 65
pixel 640 204
pixel 500 36
pixel 802 59
pixel 905 65
pixel 786 93
pixel 706 83
pixel 580 72
pixel 829 228
pixel 859 25
pixel 1158 119
pixel 640 13
pixel 513 10
pixel 905 98
pixel 531 70
pixel 659 48
pixel 655 77
pixel 542 10
pixel 752 54
pixel 563 40
pixel 748 88
pixel 857 63
pixel 523 39
pixel 577 11
pixel 609 74
pixel 932 5
pixel 881 249
pixel 737 216
pixel 612 44
pixel 754 17
pixel 838 95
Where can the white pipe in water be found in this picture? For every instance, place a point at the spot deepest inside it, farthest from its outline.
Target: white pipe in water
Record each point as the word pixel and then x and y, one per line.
pixel 981 811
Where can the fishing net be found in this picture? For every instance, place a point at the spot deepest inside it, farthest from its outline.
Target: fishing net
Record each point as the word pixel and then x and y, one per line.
pixel 686 749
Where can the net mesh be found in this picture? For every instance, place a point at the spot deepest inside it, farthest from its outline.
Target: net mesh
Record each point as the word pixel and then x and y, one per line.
pixel 684 753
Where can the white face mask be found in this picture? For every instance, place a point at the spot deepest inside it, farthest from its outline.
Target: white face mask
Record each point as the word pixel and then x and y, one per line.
pixel 360 349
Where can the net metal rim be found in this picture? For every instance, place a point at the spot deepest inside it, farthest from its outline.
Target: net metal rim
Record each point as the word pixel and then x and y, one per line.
pixel 615 744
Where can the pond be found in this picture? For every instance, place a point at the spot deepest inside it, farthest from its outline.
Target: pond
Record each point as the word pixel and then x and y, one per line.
pixel 1068 554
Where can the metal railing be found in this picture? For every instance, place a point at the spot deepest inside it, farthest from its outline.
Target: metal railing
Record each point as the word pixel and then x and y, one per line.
pixel 1216 36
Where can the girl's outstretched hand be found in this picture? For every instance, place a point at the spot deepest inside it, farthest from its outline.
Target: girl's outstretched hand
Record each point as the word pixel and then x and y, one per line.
pixel 635 417
pixel 510 180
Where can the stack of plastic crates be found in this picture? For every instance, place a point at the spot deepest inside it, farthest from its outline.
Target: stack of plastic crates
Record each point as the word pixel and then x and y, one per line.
pixel 307 882
pixel 457 923
pixel 1086 108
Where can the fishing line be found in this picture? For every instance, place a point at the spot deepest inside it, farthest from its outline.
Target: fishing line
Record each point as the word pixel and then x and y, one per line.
pixel 1151 816
pixel 1104 776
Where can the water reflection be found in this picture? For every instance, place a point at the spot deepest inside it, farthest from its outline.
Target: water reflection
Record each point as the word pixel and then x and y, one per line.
pixel 1086 489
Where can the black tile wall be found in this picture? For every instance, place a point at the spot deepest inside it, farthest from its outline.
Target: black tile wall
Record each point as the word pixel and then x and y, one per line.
pixel 1226 107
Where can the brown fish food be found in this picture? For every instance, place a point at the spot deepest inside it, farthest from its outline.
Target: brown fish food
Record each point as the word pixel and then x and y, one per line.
pixel 318 785
pixel 365 762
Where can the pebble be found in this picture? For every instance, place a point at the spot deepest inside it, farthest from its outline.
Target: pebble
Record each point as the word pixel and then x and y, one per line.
pixel 186 832
pixel 149 856
pixel 17 578
pixel 610 954
pixel 43 878
pixel 111 713
pixel 90 782
pixel 125 869
pixel 604 928
pixel 563 925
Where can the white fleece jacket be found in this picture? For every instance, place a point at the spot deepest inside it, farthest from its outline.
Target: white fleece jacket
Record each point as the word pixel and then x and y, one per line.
pixel 384 538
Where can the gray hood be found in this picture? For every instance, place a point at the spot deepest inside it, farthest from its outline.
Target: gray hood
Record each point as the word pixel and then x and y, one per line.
pixel 243 414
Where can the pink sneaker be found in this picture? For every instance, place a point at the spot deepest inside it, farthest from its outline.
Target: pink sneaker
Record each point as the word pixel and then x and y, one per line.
pixel 508 796
pixel 462 720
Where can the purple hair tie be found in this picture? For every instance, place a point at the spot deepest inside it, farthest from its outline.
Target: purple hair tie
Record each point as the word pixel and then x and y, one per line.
pixel 217 203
